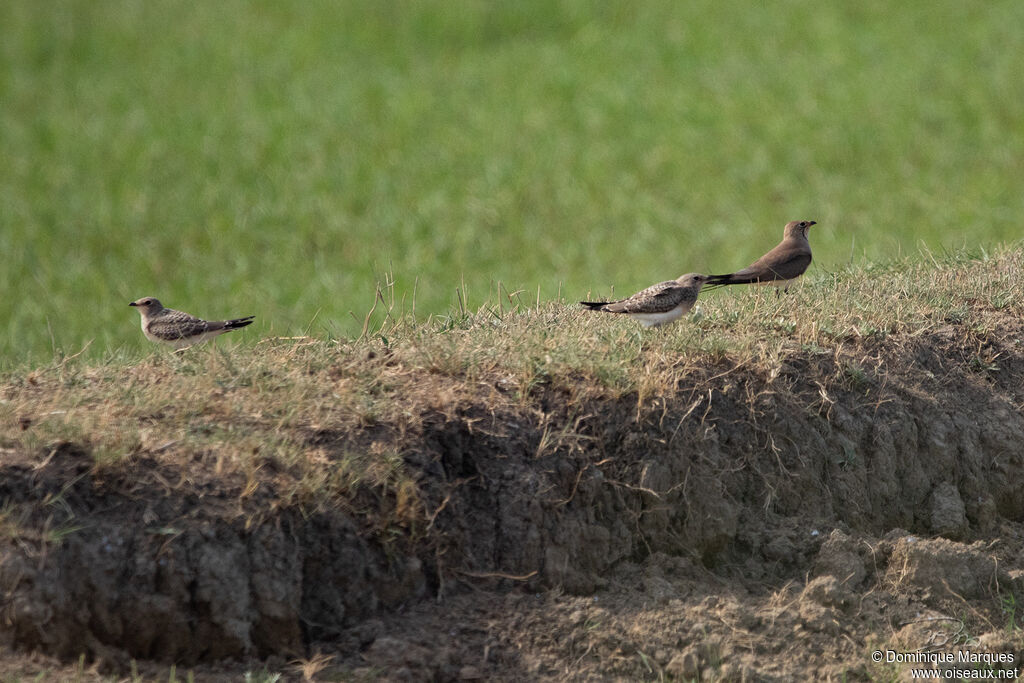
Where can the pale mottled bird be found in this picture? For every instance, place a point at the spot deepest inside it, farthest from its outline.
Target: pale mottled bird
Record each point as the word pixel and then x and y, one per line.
pixel 658 304
pixel 180 330
pixel 780 266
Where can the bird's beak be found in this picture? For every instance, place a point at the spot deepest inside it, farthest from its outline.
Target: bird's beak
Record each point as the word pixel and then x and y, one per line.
pixel 133 304
pixel 814 222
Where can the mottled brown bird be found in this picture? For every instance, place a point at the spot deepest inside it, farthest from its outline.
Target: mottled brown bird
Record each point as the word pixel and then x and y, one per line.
pixel 658 304
pixel 180 330
pixel 780 266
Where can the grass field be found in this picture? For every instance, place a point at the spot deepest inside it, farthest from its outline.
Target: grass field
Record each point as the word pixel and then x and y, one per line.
pixel 280 159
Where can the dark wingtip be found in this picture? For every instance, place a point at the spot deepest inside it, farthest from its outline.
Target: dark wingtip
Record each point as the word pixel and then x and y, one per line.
pixel 593 305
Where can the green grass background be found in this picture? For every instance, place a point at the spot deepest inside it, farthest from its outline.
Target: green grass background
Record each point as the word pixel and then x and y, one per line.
pixel 277 158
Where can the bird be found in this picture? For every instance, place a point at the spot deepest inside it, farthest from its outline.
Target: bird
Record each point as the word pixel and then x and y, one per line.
pixel 658 304
pixel 178 329
pixel 780 266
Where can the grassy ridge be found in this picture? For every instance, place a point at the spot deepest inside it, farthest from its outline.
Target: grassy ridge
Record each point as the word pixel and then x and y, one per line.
pixel 257 158
pixel 239 407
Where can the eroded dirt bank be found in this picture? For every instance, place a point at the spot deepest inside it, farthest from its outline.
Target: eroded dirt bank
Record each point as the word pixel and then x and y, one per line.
pixel 764 521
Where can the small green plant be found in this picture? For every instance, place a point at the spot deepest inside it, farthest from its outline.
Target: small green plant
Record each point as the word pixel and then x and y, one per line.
pixel 983 364
pixel 56 535
pixel 1001 301
pixel 263 676
pixel 1008 605
pixel 848 458
pixel 855 375
pixel 787 327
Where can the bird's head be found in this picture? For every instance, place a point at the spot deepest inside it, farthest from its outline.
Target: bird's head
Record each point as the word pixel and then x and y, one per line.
pixel 693 280
pixel 147 305
pixel 798 228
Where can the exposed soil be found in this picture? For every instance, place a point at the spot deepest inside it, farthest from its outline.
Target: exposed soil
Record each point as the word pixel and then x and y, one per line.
pixel 777 521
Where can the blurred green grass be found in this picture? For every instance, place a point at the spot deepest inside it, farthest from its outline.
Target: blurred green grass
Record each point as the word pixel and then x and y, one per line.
pixel 278 159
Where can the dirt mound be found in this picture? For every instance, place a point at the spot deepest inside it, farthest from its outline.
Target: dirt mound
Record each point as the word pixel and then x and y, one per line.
pixel 757 523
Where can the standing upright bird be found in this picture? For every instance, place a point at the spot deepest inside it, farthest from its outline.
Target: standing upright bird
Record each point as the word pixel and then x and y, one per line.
pixel 180 330
pixel 780 266
pixel 658 304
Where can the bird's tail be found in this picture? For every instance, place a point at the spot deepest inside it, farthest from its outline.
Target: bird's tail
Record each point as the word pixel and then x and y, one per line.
pixel 730 279
pixel 594 305
pixel 718 281
pixel 238 322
